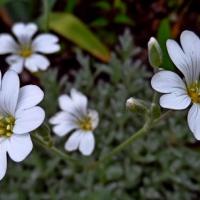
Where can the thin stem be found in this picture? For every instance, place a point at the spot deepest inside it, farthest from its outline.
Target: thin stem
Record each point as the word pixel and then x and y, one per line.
pixel 127 142
pixel 56 151
pixel 163 116
pixel 46 15
pixel 141 132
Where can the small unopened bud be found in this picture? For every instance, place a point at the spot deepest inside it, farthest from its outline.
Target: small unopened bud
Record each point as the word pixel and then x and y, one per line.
pixel 154 53
pixel 136 105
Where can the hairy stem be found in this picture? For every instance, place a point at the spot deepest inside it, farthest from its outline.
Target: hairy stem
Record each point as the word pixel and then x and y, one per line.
pixel 127 142
pixel 150 123
pixel 163 116
pixel 54 150
pixel 140 133
pixel 46 15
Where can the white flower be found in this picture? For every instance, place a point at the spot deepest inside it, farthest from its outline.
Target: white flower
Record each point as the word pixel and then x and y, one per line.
pixel 25 52
pixel 76 116
pixel 180 93
pixel 18 116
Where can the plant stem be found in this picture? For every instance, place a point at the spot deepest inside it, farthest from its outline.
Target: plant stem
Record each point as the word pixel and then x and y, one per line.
pixel 127 142
pixel 163 116
pixel 141 132
pixel 56 151
pixel 46 15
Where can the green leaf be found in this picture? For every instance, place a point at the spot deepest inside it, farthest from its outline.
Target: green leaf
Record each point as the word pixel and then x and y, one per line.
pixel 123 19
pixel 73 29
pixel 21 10
pixel 2 2
pixel 164 33
pixel 104 5
pixel 100 22
pixel 71 4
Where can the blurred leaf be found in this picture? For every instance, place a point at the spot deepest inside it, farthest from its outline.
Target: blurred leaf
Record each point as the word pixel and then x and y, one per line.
pixel 51 3
pixel 71 4
pixel 123 19
pixel 43 20
pixel 120 5
pixel 104 5
pixel 21 10
pixel 2 2
pixel 73 29
pixel 164 33
pixel 99 22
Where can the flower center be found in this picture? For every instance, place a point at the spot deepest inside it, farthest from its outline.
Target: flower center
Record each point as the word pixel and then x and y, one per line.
pixel 85 124
pixel 194 92
pixel 25 51
pixel 6 126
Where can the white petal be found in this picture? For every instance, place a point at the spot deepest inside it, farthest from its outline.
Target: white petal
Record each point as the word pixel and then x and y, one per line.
pixel 9 92
pixel 24 32
pixel 63 128
pixel 61 117
pixel 181 60
pixel 66 103
pixel 29 96
pixel 7 44
pixel 36 62
pixel 0 78
pixel 93 114
pixel 191 43
pixel 19 147
pixel 1 139
pixel 3 162
pixel 74 141
pixel 46 43
pixel 58 118
pixel 176 101
pixel 87 144
pixel 15 62
pixel 79 100
pixel 167 82
pixel 194 119
pixel 76 105
pixel 28 120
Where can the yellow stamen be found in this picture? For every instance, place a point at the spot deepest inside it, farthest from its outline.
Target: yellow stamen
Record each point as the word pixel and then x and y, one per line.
pixel 85 124
pixel 25 52
pixel 6 126
pixel 194 92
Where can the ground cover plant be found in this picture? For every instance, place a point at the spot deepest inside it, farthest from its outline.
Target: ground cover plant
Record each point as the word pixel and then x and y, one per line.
pixel 102 129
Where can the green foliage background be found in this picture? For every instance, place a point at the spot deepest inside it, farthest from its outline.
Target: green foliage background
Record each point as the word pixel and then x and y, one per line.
pixel 163 165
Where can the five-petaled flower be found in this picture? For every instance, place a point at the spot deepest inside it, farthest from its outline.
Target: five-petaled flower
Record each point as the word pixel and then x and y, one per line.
pixel 75 116
pixel 25 52
pixel 179 93
pixel 18 116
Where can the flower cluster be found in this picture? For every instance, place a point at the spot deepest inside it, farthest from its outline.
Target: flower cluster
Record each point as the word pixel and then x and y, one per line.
pixel 180 93
pixel 19 113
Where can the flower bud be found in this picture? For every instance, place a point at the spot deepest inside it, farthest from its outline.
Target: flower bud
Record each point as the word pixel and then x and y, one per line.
pixel 136 105
pixel 154 53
